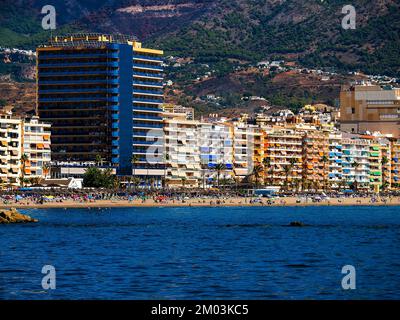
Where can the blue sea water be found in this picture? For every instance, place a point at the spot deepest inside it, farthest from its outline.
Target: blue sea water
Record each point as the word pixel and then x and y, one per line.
pixel 203 253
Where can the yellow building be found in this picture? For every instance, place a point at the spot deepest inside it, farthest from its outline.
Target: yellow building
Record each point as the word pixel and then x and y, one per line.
pixel 316 159
pixel 370 108
pixel 283 153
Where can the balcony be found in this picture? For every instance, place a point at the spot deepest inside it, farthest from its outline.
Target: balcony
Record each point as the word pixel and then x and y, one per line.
pixel 148 75
pixel 136 108
pixel 147 58
pixel 147 66
pixel 144 125
pixel 88 90
pixel 87 55
pixel 147 143
pixel 72 82
pixel 77 64
pixel 148 83
pixel 140 116
pixel 81 73
pixel 149 92
pixel 152 101
pixel 77 99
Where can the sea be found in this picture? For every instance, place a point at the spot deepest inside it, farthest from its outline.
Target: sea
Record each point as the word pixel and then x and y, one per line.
pixel 349 252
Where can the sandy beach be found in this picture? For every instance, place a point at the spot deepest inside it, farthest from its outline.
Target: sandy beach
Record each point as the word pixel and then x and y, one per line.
pixel 206 202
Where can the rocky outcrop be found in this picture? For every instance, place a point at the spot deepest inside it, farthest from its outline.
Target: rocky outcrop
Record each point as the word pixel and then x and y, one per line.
pixel 13 216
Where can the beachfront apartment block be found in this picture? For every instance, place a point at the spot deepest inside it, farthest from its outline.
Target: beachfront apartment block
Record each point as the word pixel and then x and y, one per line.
pixel 36 146
pixel 284 153
pixel 395 162
pixel 10 150
pixel 356 161
pixel 182 151
pixel 316 157
pixel 18 137
pixel 370 108
pixel 216 151
pixel 173 108
pixel 102 95
pixel 335 172
pixel 148 97
pixel 248 148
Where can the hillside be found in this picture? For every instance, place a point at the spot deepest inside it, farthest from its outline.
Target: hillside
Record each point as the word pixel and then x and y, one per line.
pixel 225 38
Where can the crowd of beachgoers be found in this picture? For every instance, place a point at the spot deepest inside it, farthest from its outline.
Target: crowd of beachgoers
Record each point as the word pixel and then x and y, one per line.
pixel 90 198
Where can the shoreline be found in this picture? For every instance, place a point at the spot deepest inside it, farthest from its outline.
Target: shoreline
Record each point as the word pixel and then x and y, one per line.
pixel 229 202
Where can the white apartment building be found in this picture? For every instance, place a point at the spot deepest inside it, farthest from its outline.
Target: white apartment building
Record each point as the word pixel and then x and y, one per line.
pixel 355 160
pixel 19 137
pixel 36 146
pixel 216 147
pixel 183 167
pixel 247 148
pixel 10 150
pixel 335 174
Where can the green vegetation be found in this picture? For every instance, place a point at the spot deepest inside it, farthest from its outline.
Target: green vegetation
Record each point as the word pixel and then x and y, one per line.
pixel 97 178
pixel 20 27
pixel 251 31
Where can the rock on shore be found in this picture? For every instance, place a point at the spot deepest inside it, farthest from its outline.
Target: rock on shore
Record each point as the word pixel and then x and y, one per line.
pixel 13 216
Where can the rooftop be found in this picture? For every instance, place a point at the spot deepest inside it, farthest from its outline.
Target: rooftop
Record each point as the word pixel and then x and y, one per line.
pixel 90 39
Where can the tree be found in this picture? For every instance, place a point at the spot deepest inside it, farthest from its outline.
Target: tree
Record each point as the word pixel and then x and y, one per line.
pixel 325 160
pixel 219 168
pixel 135 181
pixel 355 165
pixel 269 172
pixel 287 168
pixel 46 169
pixel 97 178
pixel 98 160
pixel 257 170
pixel 184 182
pixel 24 159
pixel 134 159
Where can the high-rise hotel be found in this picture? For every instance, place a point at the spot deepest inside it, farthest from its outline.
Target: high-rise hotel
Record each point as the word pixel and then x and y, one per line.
pixel 102 95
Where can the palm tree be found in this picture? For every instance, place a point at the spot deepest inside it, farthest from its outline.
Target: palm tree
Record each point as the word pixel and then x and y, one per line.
pixel 355 165
pixel 287 168
pixel 135 181
pixel 134 160
pixel 384 162
pixel 152 182
pixel 166 158
pixel 24 159
pixel 324 160
pixel 267 165
pixel 184 182
pixel 98 160
pixel 219 168
pixel 257 170
pixel 46 169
